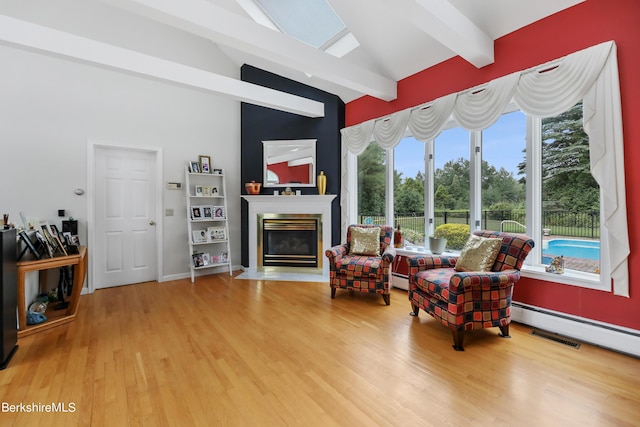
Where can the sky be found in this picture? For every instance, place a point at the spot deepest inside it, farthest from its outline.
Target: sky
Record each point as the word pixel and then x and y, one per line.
pixel 502 147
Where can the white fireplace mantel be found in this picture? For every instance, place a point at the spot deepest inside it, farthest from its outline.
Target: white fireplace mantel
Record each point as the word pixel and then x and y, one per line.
pixel 308 204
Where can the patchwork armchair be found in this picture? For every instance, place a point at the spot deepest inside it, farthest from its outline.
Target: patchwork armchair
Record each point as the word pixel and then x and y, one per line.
pixel 364 262
pixel 469 300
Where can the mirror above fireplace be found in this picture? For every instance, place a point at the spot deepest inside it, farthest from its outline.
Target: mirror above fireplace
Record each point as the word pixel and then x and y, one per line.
pixel 289 163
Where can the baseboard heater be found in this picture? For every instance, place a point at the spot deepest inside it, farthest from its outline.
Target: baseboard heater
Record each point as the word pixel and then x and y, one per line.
pixel 612 337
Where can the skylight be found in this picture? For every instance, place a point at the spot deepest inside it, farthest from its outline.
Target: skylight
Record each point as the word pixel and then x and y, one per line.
pixel 313 22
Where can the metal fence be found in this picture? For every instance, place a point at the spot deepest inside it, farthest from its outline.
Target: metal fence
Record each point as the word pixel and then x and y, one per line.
pixel 558 223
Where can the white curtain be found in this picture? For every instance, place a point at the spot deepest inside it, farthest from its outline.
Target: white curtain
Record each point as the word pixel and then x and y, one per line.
pixel 543 91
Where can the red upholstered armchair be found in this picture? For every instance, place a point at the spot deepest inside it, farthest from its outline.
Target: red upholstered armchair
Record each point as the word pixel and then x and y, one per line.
pixel 465 301
pixel 364 273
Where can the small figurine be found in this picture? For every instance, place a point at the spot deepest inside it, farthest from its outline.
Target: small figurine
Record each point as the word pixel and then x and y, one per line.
pixel 556 266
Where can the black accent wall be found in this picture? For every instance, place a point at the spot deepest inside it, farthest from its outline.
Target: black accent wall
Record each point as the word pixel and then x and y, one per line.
pixel 261 124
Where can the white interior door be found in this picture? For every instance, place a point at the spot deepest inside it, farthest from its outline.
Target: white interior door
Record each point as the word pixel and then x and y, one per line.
pixel 125 224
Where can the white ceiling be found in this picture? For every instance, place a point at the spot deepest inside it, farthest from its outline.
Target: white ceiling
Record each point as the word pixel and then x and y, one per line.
pixel 397 38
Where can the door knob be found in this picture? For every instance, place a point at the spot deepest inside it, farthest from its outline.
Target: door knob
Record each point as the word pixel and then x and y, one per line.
pixel 152 223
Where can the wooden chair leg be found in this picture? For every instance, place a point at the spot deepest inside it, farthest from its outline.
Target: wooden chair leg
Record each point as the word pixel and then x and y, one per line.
pixel 504 331
pixel 458 339
pixel 333 293
pixel 415 309
pixel 387 298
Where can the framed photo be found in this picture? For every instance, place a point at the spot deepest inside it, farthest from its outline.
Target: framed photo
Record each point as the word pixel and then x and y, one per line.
pixel 44 244
pixel 224 256
pixel 199 236
pixel 207 211
pixel 199 190
pixel 194 167
pixel 60 245
pixel 29 245
pixel 196 212
pixel 214 190
pixel 216 233
pixel 206 190
pixel 197 260
pixel 217 171
pixel 218 212
pixel 205 164
pixel 206 259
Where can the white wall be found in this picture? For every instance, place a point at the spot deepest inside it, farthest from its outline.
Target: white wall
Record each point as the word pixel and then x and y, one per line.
pixel 50 108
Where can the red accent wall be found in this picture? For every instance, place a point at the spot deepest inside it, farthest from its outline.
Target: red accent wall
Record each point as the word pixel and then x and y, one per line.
pixel 576 28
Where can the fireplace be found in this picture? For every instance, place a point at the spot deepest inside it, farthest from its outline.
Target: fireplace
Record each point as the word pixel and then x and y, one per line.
pixel 305 206
pixel 289 241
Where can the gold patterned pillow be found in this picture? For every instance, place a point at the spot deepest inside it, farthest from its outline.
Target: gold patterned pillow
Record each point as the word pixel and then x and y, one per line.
pixel 478 254
pixel 365 241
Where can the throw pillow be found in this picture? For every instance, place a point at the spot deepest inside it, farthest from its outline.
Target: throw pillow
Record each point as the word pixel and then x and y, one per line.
pixel 365 241
pixel 478 254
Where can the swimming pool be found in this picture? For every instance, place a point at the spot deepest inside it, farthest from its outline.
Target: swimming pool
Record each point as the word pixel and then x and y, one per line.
pixel 586 249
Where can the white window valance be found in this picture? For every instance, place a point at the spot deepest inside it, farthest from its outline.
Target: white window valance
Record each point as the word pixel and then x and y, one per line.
pixel 590 75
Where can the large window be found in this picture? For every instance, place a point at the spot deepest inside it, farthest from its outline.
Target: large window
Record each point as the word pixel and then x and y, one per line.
pixel 489 180
pixel 372 188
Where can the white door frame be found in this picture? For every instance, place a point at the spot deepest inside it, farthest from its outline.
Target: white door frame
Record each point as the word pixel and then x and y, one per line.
pixel 92 145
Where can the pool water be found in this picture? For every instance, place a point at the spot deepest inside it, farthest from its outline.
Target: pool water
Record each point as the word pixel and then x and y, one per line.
pixel 586 249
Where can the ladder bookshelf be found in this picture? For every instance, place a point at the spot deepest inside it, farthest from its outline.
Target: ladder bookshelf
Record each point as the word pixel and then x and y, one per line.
pixel 207 225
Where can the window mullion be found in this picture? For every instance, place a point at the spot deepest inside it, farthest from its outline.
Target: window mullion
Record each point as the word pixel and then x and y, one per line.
pixel 534 186
pixel 429 198
pixel 475 190
pixel 389 208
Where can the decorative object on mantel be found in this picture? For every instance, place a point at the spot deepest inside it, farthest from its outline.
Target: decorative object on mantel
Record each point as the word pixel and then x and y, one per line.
pixel 556 266
pixel 252 187
pixel 322 183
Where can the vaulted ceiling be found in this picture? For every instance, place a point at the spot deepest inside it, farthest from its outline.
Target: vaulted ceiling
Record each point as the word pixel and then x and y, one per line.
pixel 396 39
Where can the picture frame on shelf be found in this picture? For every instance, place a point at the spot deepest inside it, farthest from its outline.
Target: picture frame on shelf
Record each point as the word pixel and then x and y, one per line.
pixel 207 211
pixel 216 233
pixel 217 171
pixel 196 212
pixel 28 245
pixel 44 244
pixel 206 259
pixel 194 167
pixel 218 212
pixel 198 190
pixel 205 163
pixel 224 257
pixel 197 260
pixel 206 190
pixel 215 190
pixel 199 236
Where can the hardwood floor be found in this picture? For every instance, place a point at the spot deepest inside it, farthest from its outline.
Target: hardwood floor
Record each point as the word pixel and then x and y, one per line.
pixel 234 352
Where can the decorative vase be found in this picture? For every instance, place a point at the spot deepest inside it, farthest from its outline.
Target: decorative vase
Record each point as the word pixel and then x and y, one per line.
pixel 437 245
pixel 253 187
pixel 322 183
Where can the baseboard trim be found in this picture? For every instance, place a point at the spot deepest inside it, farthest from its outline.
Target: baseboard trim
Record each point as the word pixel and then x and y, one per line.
pixel 612 337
